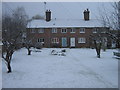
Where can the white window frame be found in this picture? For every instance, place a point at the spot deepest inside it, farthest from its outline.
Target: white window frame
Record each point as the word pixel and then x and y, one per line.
pixel 32 30
pixel 81 40
pixel 24 35
pixel 72 30
pixel 55 40
pixel 103 31
pixel 82 30
pixel 95 30
pixel 63 30
pixel 41 30
pixel 54 30
pixel 40 40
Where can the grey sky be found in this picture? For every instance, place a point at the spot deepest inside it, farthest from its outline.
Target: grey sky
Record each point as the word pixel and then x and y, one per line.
pixel 60 10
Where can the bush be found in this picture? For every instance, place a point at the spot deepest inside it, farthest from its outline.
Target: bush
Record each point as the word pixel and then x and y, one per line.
pixel 55 45
pixel 64 50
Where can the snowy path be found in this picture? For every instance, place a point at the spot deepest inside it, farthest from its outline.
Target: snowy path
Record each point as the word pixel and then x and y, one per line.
pixel 79 69
pixel 89 72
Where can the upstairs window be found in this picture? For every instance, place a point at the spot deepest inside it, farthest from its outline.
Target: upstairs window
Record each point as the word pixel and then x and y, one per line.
pixel 95 30
pixel 55 40
pixel 40 40
pixel 72 30
pixel 82 30
pixel 24 35
pixel 41 30
pixel 54 30
pixel 103 31
pixel 81 40
pixel 63 30
pixel 32 30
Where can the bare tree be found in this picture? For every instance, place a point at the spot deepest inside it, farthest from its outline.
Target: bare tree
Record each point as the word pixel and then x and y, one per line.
pixel 12 29
pixel 30 42
pixel 99 39
pixel 97 44
pixel 37 17
pixel 112 19
pixel 31 39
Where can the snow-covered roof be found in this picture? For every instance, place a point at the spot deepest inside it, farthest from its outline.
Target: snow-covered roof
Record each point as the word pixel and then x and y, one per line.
pixel 57 23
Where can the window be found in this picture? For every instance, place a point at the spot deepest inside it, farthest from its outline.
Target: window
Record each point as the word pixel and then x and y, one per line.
pixel 55 40
pixel 54 30
pixel 41 40
pixel 81 40
pixel 113 44
pixel 24 35
pixel 95 30
pixel 32 30
pixel 82 30
pixel 72 30
pixel 63 30
pixel 41 30
pixel 103 31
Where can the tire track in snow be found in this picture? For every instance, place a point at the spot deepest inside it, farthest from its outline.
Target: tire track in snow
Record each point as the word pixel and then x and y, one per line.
pixel 91 72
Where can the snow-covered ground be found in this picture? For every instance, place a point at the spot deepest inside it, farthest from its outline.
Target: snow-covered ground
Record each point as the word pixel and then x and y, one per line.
pixel 0 67
pixel 78 69
pixel 0 72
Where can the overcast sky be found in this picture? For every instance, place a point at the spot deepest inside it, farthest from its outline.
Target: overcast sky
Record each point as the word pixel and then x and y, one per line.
pixel 60 10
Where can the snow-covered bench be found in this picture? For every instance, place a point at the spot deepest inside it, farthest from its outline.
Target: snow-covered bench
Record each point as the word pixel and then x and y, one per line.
pixel 117 54
pixel 60 53
pixel 35 50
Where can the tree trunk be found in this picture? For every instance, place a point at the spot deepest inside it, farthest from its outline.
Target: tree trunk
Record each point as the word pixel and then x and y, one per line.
pixel 98 48
pixel 98 53
pixel 8 60
pixel 11 53
pixel 29 52
pixel 9 67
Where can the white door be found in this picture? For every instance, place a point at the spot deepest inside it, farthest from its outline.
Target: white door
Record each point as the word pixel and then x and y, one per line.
pixel 72 42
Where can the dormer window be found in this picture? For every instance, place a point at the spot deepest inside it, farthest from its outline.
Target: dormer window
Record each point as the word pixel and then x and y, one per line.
pixel 54 30
pixel 63 30
pixel 82 30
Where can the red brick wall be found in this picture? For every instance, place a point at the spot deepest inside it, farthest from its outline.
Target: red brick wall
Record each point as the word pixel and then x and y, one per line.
pixel 47 35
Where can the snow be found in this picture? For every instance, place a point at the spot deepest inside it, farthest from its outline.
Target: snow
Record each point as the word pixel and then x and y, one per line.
pixel 0 70
pixel 63 23
pixel 80 68
pixel 0 80
pixel 1 43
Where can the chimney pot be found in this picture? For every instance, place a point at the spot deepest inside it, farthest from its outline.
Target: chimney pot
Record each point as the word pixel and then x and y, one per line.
pixel 86 14
pixel 48 15
pixel 87 9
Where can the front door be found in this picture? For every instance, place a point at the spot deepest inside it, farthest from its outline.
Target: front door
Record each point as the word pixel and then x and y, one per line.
pixel 64 42
pixel 72 42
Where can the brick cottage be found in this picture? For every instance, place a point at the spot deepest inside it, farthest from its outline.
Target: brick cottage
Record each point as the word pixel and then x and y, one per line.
pixel 65 33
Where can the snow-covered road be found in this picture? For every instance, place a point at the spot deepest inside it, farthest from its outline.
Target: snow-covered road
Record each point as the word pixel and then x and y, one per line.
pixel 92 74
pixel 78 69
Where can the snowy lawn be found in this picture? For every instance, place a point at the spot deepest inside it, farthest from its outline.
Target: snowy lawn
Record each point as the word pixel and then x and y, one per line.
pixel 78 69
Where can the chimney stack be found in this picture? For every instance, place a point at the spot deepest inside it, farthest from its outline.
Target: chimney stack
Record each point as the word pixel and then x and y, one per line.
pixel 48 15
pixel 86 15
